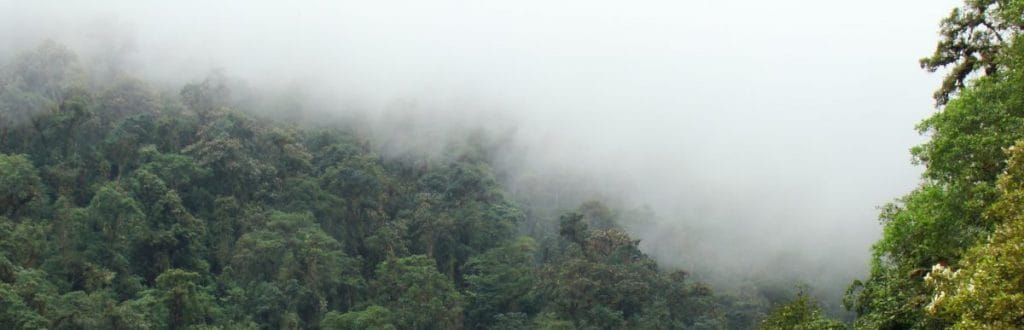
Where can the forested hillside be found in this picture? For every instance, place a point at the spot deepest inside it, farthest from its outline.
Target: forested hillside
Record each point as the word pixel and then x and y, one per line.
pixel 129 205
pixel 132 203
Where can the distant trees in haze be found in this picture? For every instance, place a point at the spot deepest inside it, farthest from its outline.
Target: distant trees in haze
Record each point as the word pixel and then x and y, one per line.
pixel 128 205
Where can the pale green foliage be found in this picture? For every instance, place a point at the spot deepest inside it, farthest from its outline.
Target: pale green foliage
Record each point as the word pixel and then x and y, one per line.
pixel 987 292
pixel 800 314
pixel 36 82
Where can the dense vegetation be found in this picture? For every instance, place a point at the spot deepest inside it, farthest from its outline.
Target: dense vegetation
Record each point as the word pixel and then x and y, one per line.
pixel 126 205
pixel 950 255
pixel 130 204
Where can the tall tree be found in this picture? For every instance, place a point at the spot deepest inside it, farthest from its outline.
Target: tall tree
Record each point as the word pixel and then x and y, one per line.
pixel 972 37
pixel 20 185
pixel 417 295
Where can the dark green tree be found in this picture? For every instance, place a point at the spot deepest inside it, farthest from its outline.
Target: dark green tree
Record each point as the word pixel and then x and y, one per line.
pixel 501 281
pixel 20 185
pixel 417 295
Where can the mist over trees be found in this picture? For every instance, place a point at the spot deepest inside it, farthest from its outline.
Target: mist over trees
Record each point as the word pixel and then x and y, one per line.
pixel 127 205
pixel 128 202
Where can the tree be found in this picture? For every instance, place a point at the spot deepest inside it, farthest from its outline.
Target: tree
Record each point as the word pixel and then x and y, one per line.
pixel 987 291
pixel 19 184
pixel 127 96
pixel 802 313
pixel 947 215
pixel 25 300
pixel 171 232
pixel 24 243
pixel 35 82
pixel 208 96
pixel 96 243
pixel 972 38
pixel 81 310
pixel 574 229
pixel 603 280
pixel 501 281
pixel 186 302
pixel 293 256
pixel 123 143
pixel 417 295
pixel 15 314
pixel 372 318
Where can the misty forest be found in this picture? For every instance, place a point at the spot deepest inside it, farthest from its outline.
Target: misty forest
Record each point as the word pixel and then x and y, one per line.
pixel 133 199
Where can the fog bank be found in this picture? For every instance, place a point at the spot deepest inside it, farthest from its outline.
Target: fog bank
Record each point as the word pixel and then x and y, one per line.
pixel 763 135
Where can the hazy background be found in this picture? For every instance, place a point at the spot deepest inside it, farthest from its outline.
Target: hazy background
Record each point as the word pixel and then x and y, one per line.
pixel 762 133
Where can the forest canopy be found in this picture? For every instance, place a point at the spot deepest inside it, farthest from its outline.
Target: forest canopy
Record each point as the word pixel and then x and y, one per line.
pixel 131 205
